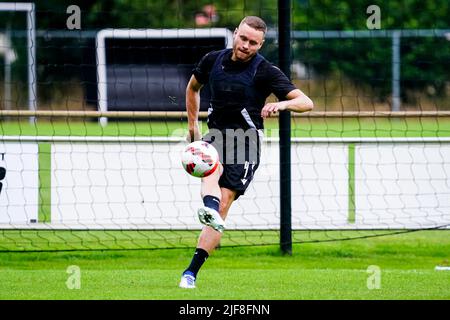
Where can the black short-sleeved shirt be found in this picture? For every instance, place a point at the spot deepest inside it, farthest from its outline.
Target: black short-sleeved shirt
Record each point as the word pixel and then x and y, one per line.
pixel 268 79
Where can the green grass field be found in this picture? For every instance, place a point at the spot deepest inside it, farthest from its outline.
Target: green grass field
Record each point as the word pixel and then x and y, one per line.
pixel 333 270
pixel 301 127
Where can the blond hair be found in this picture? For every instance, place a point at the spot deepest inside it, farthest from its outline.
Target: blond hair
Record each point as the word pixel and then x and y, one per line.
pixel 255 22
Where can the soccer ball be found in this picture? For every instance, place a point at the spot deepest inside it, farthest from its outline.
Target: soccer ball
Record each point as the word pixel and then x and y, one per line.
pixel 200 159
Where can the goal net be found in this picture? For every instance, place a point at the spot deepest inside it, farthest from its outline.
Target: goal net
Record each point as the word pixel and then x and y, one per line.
pixel 99 166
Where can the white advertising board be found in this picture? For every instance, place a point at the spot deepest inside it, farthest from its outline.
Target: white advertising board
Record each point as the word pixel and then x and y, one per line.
pixel 19 183
pixel 402 185
pixel 143 186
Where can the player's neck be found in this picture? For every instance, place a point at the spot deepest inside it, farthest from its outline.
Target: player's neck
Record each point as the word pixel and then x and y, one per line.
pixel 235 59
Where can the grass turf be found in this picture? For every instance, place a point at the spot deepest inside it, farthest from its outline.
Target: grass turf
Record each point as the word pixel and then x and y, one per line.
pixel 332 270
pixel 301 127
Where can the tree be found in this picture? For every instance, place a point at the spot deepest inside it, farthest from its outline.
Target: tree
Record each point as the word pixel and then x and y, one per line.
pixel 425 61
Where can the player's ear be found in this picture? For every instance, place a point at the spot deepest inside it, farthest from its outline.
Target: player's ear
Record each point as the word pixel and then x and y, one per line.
pixel 261 44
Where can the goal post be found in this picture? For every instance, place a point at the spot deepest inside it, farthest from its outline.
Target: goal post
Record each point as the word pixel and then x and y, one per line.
pixel 156 34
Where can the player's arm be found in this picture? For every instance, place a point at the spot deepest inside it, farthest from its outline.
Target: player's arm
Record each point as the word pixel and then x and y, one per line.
pixel 296 101
pixel 192 108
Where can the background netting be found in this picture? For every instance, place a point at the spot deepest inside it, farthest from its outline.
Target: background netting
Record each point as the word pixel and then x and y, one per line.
pixel 78 182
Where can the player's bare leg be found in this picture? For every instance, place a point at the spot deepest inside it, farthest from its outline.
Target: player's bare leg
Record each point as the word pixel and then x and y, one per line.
pixel 210 184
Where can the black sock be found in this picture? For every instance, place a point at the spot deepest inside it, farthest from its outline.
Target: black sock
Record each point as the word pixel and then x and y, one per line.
pixel 199 258
pixel 211 202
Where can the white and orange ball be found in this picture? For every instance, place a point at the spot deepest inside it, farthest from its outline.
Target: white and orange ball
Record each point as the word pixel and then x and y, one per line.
pixel 200 159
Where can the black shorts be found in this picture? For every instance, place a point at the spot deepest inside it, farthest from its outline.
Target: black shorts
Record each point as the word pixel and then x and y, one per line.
pixel 239 153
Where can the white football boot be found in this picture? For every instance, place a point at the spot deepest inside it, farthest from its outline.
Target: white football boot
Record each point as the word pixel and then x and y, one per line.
pixel 187 281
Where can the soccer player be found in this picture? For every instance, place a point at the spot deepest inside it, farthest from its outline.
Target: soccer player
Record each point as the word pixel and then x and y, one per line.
pixel 240 80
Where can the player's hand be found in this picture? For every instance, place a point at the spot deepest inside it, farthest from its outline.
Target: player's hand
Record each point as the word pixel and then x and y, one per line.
pixel 272 109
